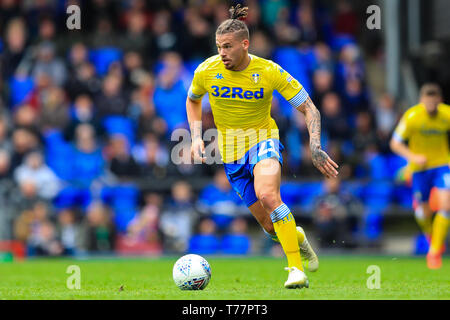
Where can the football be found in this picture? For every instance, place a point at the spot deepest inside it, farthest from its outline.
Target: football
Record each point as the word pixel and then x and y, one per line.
pixel 191 272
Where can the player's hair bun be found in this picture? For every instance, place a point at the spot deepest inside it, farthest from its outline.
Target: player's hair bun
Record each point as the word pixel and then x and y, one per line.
pixel 238 12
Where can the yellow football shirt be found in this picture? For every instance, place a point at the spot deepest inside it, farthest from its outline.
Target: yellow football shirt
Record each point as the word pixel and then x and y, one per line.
pixel 241 101
pixel 426 135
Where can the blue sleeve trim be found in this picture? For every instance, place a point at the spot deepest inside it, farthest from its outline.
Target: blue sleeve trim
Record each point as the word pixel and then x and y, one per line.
pixel 194 96
pixel 299 98
pixel 397 137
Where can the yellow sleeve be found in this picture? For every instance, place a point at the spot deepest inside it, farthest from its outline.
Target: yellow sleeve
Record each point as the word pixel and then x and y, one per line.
pixel 403 130
pixel 197 89
pixel 288 86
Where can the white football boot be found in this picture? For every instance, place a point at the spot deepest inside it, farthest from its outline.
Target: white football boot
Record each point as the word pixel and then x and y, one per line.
pixel 296 279
pixel 307 253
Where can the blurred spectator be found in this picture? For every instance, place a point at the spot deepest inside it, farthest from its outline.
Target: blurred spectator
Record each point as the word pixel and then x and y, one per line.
pixel 87 159
pixel 69 232
pixel 323 57
pixel 26 116
pixel 197 41
pixel 333 120
pixel 364 136
pixel 164 39
pixel 5 142
pixel 136 39
pixel 205 241
pixel 55 111
pixel 219 201
pixel 237 241
pixel 355 96
pixel 83 80
pixel 170 93
pixel 35 228
pixel 82 112
pixel 346 20
pixel 35 171
pixel 8 10
pixel 98 229
pixel 261 46
pixel 112 100
pixel 48 63
pixel 323 83
pixel 103 35
pixel 152 156
pixel 24 140
pixel 178 218
pixel 386 118
pixel 336 216
pixel 122 163
pixel 15 41
pixel 142 235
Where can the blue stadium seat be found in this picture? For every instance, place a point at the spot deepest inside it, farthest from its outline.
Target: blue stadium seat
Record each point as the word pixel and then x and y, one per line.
pixel 235 244
pixel 20 89
pixel 123 199
pixel 300 193
pixel 341 40
pixel 120 125
pixel 73 197
pixel 293 61
pixel 373 225
pixel 204 244
pixel 377 195
pixel 378 166
pixel 103 57
pixel 394 164
pixel 421 245
pixel 58 154
pixel 402 195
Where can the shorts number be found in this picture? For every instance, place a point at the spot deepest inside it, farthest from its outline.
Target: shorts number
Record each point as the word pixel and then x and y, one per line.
pixel 264 148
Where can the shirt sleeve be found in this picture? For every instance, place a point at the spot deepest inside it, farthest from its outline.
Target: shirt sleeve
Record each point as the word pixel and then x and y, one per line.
pixel 197 89
pixel 289 87
pixel 403 130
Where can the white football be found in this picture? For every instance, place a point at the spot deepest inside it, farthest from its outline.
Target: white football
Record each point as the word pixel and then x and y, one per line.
pixel 191 272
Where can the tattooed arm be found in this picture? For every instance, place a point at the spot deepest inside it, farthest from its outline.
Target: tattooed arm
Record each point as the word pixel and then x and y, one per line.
pixel 319 157
pixel 194 115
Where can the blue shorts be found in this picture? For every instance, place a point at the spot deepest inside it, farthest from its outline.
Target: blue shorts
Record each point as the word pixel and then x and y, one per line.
pixel 240 172
pixel 424 181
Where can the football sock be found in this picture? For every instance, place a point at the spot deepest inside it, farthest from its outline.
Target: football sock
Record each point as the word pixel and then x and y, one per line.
pixel 300 236
pixel 423 221
pixel 286 230
pixel 440 228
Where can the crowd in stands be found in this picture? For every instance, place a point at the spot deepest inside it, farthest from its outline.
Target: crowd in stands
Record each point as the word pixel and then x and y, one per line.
pixel 86 114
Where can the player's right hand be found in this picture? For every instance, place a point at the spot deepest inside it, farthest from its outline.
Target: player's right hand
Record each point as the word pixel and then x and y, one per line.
pixel 197 151
pixel 419 159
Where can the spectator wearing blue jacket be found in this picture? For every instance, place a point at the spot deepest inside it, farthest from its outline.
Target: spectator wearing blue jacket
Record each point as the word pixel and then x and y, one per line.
pixel 205 241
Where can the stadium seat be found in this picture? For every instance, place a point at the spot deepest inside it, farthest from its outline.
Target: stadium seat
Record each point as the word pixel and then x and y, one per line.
pixel 394 164
pixel 377 165
pixel 402 195
pixel 377 195
pixel 73 197
pixel 120 125
pixel 235 244
pixel 58 154
pixel 103 57
pixel 20 88
pixel 307 193
pixel 123 199
pixel 204 244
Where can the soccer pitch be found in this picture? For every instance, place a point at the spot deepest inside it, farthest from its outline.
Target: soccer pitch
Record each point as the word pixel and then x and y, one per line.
pixel 260 278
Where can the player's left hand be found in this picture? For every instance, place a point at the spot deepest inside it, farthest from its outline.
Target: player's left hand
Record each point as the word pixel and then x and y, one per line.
pixel 324 163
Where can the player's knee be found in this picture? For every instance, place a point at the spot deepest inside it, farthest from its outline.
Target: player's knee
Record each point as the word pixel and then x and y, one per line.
pixel 270 199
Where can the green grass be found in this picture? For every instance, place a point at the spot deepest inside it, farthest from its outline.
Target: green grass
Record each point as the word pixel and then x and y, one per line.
pixel 339 277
